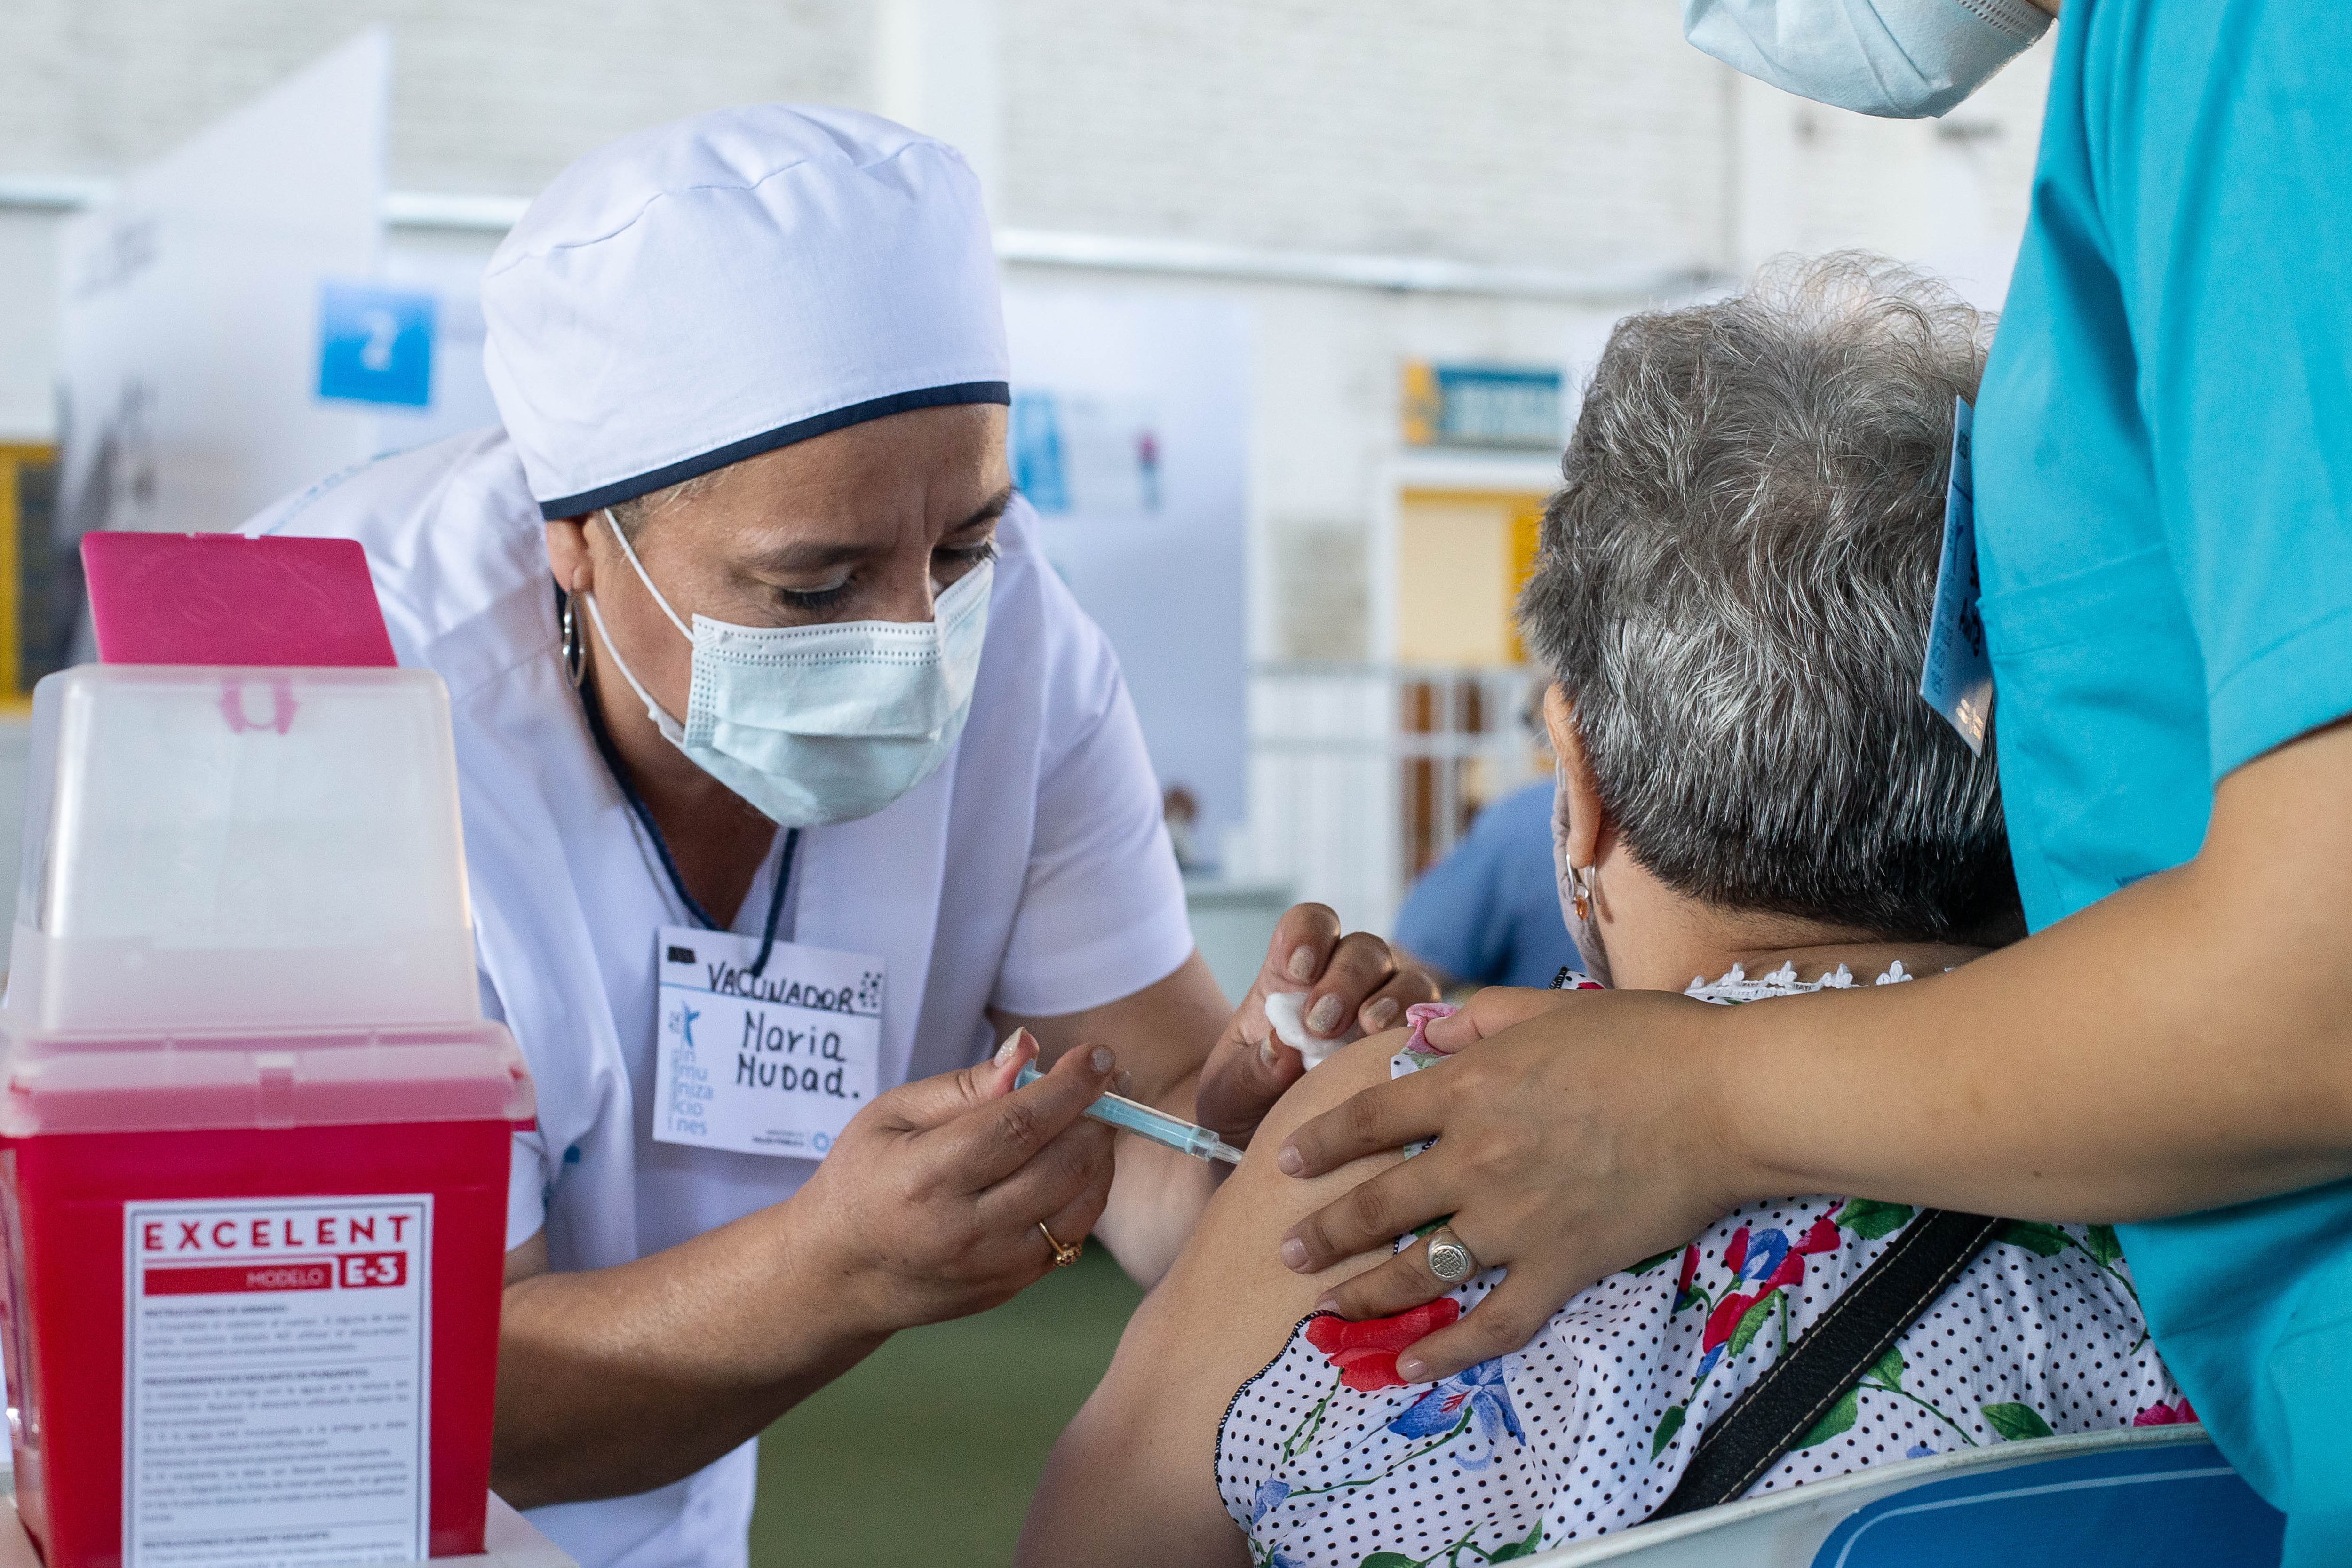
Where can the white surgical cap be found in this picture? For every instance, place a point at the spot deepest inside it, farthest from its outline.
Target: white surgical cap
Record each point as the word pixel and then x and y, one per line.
pixel 695 295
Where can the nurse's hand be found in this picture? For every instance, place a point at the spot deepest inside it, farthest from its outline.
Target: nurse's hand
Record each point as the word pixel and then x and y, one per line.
pixel 613 1381
pixel 1354 986
pixel 928 1206
pixel 1577 1134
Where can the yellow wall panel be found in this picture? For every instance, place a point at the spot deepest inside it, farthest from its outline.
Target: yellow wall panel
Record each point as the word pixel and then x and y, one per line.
pixel 14 460
pixel 1461 556
pixel 1527 530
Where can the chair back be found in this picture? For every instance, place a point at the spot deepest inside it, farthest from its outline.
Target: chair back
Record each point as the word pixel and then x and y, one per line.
pixel 2096 1499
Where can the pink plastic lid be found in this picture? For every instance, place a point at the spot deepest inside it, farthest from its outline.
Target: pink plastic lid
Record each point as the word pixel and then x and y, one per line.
pixel 262 1078
pixel 222 598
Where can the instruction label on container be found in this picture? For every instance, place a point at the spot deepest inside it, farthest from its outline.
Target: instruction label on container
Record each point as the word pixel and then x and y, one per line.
pixel 276 1381
pixel 772 1063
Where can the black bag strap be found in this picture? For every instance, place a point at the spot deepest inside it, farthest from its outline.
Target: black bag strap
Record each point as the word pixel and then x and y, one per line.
pixel 1778 1408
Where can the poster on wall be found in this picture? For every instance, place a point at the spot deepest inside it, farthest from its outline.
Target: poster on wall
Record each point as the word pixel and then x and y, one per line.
pixel 1129 434
pixel 1074 452
pixel 221 339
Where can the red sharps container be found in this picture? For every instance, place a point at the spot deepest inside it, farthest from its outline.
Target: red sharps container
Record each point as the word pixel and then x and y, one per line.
pixel 253 1126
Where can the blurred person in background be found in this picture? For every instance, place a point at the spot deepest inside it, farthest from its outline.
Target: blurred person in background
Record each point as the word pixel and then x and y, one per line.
pixel 1180 809
pixel 1733 596
pixel 1488 913
pixel 2164 539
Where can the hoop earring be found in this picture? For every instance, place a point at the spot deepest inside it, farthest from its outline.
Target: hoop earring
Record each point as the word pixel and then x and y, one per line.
pixel 575 654
pixel 1580 880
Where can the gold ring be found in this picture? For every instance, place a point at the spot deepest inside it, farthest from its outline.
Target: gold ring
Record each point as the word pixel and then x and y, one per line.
pixel 1063 1255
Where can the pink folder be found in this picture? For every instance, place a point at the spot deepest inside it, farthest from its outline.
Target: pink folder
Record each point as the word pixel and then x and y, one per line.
pixel 222 598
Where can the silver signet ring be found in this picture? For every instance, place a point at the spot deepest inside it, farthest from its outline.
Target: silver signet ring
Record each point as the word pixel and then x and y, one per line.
pixel 1448 1259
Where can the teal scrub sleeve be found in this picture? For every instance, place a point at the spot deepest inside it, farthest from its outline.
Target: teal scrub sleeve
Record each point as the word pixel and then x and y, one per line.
pixel 2230 195
pixel 2219 133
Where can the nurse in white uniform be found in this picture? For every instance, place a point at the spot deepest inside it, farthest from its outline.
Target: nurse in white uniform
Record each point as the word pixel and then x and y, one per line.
pixel 794 781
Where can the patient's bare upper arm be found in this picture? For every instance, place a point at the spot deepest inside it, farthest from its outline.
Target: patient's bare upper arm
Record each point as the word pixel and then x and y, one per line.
pixel 528 1261
pixel 1133 1478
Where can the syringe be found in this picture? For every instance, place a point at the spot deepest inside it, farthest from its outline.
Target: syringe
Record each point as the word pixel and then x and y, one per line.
pixel 1157 1125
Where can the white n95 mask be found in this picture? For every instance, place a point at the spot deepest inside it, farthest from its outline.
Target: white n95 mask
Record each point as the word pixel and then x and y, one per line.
pixel 1901 59
pixel 821 724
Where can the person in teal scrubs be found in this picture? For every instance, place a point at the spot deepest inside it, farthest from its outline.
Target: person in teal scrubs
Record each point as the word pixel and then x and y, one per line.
pixel 2164 486
pixel 2163 466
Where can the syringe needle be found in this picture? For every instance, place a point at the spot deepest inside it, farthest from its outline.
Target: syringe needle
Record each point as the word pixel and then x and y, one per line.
pixel 1133 1116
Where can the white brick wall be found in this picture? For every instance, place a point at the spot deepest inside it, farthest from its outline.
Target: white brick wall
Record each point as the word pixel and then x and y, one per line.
pixel 1567 134
pixel 1564 133
pixel 489 95
pixel 1950 193
pixel 1582 135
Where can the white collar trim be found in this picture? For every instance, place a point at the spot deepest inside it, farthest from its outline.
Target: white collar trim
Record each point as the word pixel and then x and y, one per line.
pixel 1738 986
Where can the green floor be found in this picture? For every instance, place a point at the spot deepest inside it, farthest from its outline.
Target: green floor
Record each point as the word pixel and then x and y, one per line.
pixel 927 1451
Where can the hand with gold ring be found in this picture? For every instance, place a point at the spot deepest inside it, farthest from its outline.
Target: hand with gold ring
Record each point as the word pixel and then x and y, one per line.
pixel 960 1172
pixel 1065 1254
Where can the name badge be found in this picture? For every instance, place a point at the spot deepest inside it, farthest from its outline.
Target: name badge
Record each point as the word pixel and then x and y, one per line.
pixel 1957 680
pixel 775 1063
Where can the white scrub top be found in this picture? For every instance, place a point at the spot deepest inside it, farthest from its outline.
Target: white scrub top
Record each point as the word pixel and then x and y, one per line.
pixel 1030 873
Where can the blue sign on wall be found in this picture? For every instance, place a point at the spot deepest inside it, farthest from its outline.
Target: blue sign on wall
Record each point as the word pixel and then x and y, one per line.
pixel 375 344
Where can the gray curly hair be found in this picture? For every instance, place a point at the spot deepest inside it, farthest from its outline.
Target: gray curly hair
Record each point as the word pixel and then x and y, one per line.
pixel 1734 587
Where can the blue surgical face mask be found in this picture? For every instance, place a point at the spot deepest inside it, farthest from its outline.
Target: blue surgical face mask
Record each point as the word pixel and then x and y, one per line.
pixel 1902 59
pixel 821 724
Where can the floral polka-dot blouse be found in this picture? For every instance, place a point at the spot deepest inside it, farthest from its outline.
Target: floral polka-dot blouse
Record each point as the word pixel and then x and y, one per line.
pixel 1327 1458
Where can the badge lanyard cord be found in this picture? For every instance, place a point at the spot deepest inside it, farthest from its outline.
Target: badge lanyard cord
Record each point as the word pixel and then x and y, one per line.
pixel 612 764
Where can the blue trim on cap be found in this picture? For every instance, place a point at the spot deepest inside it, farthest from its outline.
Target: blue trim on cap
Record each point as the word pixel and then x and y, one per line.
pixel 768 441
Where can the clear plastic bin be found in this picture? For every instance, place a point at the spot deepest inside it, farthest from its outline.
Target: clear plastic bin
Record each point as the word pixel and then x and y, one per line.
pixel 257 847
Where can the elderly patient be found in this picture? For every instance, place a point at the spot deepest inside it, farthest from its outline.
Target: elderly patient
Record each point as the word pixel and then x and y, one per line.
pixel 1733 596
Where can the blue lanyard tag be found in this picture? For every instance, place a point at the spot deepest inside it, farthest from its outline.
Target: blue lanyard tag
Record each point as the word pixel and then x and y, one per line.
pixel 1958 679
